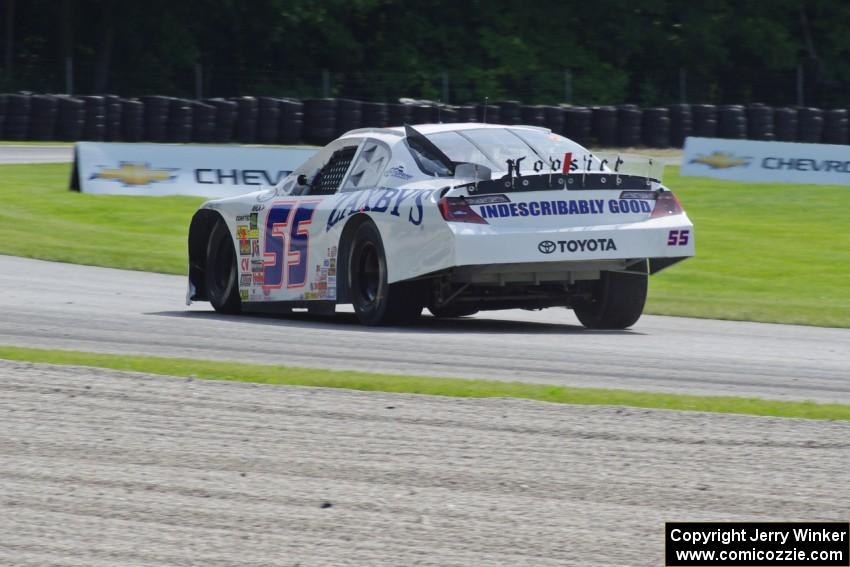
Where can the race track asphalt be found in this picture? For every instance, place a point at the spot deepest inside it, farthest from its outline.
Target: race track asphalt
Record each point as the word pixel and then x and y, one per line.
pixel 36 154
pixel 101 468
pixel 55 305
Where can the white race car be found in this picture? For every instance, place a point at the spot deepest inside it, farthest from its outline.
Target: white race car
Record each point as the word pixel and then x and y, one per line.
pixel 457 218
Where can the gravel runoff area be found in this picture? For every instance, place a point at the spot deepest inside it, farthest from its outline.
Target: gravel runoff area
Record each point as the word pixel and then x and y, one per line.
pixel 103 468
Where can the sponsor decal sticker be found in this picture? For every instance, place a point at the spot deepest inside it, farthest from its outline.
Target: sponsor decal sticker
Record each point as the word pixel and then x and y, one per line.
pixel 721 160
pixel 130 173
pixel 564 208
pixel 577 245
pixel 244 247
pixel 398 173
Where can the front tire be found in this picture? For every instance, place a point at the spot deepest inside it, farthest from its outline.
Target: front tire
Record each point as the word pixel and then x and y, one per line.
pixel 617 300
pixel 375 301
pixel 222 273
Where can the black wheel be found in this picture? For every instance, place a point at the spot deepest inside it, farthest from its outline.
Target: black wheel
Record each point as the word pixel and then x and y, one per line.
pixel 221 271
pixel 453 310
pixel 617 300
pixel 375 301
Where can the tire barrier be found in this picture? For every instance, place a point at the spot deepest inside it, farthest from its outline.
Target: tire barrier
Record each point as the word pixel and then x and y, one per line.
pixel 577 124
pixel 704 120
pixel 509 112
pixel 809 125
pixel 533 115
pixel 835 126
pixel 2 113
pixel 422 114
pixel 349 115
pixel 604 126
pixel 319 120
pixel 272 120
pixel 291 123
pixel 268 120
pixel 399 114
pixel 656 127
pixel 43 112
pixel 555 117
pixel 447 114
pixel 785 124
pixel 760 122
pixel 629 118
pixel 374 115
pixel 203 122
pixel 732 122
pixel 681 124
pixel 490 114
pixel 466 113
pixel 17 117
pixel 226 112
pixel 179 126
pixel 156 118
pixel 113 118
pixel 70 118
pixel 246 119
pixel 94 129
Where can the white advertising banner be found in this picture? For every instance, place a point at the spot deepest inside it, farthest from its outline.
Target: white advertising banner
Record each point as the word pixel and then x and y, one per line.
pixel 779 162
pixel 175 169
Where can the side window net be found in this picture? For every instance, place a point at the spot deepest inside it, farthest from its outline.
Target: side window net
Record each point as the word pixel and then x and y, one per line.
pixel 329 177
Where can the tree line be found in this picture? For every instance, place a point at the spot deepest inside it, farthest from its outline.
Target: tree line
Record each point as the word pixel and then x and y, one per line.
pixel 601 52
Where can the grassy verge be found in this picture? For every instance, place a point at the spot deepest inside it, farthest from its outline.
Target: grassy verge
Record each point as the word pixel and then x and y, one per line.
pixel 453 387
pixel 765 252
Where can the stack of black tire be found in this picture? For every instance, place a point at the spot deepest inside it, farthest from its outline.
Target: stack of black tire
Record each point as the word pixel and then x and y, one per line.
pixel 604 120
pixel 681 123
pixel 319 120
pixel 17 121
pixel 785 124
pixel 132 120
pixel 629 122
pixel 271 120
pixel 43 112
pixel 760 122
pixel 704 120
pixel 656 127
pixel 835 126
pixel 203 122
pixel 156 118
pixel 578 122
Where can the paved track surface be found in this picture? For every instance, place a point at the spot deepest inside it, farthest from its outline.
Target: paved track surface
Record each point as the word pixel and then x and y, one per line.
pixel 100 468
pixel 36 154
pixel 56 305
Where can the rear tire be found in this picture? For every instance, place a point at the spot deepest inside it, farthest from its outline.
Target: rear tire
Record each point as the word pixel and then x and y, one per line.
pixel 221 274
pixel 375 301
pixel 617 300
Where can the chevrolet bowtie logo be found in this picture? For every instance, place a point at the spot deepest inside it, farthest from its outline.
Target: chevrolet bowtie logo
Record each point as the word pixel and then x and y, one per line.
pixel 721 160
pixel 130 173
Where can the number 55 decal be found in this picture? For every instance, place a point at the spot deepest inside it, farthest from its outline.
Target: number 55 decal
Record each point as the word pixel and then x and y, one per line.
pixel 287 230
pixel 678 237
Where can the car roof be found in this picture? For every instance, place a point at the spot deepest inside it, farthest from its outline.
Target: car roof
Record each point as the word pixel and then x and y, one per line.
pixel 396 132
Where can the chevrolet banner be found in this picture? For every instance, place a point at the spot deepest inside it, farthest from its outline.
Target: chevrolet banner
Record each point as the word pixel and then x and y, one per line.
pixel 777 162
pixel 174 169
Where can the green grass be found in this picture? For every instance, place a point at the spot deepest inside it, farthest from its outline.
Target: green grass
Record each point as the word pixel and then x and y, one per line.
pixel 453 387
pixel 41 218
pixel 765 252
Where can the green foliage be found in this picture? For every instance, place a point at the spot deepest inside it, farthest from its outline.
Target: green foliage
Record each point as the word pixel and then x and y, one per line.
pixel 617 51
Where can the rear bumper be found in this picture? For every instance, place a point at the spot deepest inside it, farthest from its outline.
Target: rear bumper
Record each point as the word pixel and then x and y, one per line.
pixel 666 237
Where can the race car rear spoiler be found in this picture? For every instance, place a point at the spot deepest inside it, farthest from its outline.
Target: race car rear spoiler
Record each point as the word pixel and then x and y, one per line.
pixel 577 181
